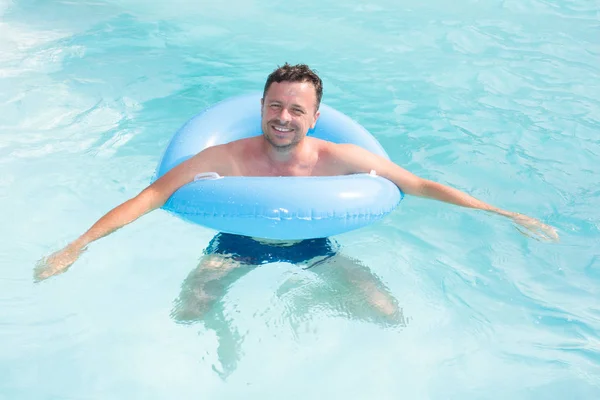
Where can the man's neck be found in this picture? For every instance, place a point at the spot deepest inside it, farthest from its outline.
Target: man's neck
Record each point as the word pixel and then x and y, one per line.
pixel 281 158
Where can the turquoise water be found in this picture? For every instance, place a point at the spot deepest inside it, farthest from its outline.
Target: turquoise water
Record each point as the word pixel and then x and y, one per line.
pixel 498 98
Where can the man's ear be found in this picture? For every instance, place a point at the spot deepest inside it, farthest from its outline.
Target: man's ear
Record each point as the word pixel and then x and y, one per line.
pixel 317 115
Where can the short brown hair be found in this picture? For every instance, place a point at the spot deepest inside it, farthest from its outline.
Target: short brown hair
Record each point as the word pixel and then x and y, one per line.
pixel 296 73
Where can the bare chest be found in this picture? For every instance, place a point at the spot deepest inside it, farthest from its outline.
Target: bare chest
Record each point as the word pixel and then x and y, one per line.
pixel 262 168
pixel 251 160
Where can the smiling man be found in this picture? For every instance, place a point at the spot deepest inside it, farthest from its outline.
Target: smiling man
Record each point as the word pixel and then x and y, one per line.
pixel 290 107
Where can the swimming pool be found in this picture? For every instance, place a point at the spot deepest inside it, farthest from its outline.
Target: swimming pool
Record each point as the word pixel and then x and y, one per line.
pixel 498 98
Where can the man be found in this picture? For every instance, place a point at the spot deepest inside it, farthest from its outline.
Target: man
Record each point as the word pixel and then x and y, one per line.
pixel 290 107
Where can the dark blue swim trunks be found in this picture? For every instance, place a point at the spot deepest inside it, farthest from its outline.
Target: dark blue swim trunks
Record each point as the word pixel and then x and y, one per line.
pixel 249 251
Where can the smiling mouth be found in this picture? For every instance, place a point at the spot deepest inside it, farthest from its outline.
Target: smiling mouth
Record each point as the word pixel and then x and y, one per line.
pixel 281 129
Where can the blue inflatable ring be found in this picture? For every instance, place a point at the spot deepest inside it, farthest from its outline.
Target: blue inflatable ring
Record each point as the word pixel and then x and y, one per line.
pixel 275 207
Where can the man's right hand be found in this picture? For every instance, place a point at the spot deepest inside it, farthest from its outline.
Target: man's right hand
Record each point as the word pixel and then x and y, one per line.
pixel 56 263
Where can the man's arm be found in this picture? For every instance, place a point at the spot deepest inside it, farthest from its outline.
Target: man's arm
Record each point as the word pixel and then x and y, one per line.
pixel 358 160
pixel 151 198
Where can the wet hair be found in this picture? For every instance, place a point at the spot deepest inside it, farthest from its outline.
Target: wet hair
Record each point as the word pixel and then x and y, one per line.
pixel 296 73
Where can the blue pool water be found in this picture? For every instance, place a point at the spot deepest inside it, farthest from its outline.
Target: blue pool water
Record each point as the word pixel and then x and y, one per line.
pixel 497 98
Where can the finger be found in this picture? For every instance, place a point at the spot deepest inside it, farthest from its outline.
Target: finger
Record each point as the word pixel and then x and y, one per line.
pixel 548 232
pixel 524 233
pixel 531 233
pixel 39 275
pixel 553 233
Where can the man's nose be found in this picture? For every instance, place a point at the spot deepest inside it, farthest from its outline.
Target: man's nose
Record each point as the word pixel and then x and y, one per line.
pixel 284 115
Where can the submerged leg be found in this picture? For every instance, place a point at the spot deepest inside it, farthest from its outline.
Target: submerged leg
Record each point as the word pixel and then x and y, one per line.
pixel 200 293
pixel 363 288
pixel 205 285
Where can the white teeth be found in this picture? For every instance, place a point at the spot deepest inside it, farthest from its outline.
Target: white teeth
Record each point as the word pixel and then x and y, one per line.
pixel 280 129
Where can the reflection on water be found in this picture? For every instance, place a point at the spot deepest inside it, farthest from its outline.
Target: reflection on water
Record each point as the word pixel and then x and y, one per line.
pixel 338 285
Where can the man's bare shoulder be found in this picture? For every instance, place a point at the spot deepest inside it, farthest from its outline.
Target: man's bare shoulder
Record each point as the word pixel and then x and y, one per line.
pixel 244 144
pixel 227 159
pixel 219 158
pixel 332 157
pixel 346 158
pixel 334 150
pixel 231 148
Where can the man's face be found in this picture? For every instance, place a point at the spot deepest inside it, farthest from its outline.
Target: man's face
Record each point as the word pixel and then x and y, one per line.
pixel 289 110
